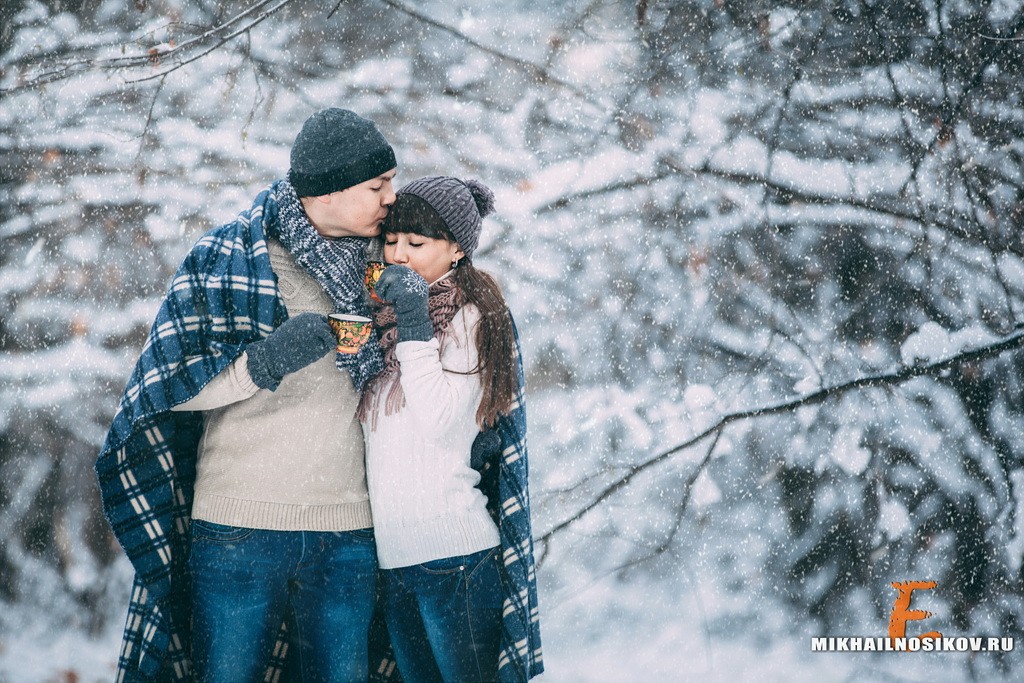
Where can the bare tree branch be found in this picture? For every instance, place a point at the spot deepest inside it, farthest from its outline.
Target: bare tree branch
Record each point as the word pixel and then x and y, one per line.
pixel 893 378
pixel 336 8
pixel 629 184
pixel 244 30
pixel 149 119
pixel 177 54
pixel 950 119
pixel 780 189
pixel 541 74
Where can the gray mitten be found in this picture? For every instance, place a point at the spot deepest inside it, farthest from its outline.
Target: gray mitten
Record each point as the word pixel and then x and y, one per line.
pixel 404 288
pixel 299 341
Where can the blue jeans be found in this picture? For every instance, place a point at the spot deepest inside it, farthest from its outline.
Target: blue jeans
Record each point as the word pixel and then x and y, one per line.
pixel 245 582
pixel 444 618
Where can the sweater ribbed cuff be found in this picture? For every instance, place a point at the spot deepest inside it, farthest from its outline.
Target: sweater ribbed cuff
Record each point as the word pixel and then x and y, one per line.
pixel 243 376
pixel 258 514
pixel 420 330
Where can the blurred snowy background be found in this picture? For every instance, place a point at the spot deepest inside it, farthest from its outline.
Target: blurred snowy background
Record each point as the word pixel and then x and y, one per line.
pixel 767 259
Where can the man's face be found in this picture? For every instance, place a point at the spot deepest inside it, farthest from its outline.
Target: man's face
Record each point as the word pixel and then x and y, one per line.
pixel 356 211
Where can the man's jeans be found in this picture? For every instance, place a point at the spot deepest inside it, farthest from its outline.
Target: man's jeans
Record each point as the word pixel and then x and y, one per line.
pixel 245 582
pixel 444 618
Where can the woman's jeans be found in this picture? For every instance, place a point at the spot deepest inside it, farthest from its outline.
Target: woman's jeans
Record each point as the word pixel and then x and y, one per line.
pixel 245 582
pixel 444 618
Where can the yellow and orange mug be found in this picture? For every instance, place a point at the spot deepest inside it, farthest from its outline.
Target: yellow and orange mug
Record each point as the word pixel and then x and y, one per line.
pixel 374 269
pixel 353 331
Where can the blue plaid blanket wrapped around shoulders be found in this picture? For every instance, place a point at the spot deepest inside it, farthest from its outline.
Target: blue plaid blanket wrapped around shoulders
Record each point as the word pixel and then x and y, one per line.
pixel 223 297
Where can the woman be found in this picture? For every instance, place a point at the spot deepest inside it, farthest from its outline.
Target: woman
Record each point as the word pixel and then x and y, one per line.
pixel 451 370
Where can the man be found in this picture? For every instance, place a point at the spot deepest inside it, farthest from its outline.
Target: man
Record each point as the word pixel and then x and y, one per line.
pixel 233 471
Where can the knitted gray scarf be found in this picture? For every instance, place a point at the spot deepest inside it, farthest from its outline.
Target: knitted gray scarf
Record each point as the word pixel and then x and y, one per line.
pixel 338 265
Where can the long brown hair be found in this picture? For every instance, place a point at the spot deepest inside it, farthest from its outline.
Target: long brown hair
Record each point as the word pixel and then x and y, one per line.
pixel 495 340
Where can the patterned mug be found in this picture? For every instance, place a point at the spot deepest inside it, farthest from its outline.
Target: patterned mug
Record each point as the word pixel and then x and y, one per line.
pixel 374 269
pixel 353 331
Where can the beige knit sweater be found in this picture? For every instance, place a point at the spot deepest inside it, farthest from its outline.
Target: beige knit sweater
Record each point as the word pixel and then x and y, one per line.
pixel 291 459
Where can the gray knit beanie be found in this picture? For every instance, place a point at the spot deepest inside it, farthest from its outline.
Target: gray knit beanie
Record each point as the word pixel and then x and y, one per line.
pixel 461 204
pixel 335 150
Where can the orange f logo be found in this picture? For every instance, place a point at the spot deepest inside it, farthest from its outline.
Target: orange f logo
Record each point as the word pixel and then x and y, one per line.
pixel 901 612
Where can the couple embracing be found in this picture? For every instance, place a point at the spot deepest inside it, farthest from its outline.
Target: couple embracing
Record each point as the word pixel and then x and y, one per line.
pixel 294 512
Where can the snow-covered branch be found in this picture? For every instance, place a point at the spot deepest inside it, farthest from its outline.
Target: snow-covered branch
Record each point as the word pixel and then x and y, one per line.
pixel 783 192
pixel 162 59
pixel 892 378
pixel 538 72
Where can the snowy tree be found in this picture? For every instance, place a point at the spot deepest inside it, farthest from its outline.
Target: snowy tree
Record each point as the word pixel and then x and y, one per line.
pixel 766 259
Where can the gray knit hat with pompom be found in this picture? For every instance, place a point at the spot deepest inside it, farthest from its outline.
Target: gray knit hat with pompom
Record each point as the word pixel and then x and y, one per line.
pixel 461 204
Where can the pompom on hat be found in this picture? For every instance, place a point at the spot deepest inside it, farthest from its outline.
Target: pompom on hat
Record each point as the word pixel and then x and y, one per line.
pixel 461 204
pixel 335 150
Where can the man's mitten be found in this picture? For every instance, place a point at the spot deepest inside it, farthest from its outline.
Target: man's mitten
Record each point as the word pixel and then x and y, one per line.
pixel 299 341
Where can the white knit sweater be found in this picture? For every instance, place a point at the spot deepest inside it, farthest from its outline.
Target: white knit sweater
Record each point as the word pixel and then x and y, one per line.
pixel 422 488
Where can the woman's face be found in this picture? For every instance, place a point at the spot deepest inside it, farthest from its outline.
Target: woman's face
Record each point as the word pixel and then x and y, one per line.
pixel 429 257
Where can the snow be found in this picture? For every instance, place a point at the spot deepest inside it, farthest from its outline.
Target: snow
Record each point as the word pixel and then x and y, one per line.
pixel 807 384
pixel 848 453
pixel 383 74
pixel 592 64
pixel 744 154
pixel 700 402
pixel 653 296
pixel 895 518
pixel 705 491
pixel 931 343
pixel 35 656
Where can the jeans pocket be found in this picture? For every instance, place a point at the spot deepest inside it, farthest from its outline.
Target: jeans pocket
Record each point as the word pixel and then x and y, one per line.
pixel 219 533
pixel 459 563
pixel 444 566
pixel 489 559
pixel 362 534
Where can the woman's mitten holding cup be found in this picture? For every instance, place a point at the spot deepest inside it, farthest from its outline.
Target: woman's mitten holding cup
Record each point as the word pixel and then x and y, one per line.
pixel 407 291
pixel 299 341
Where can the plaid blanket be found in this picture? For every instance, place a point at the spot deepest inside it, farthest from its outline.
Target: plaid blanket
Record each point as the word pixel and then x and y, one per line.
pixel 504 479
pixel 223 297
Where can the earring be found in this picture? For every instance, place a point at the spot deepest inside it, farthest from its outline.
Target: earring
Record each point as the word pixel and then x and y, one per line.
pixel 455 264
